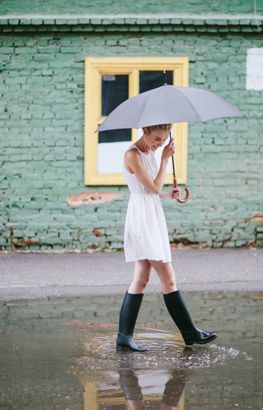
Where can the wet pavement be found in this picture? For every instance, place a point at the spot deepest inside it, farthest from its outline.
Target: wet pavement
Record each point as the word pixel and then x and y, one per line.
pixel 25 275
pixel 59 353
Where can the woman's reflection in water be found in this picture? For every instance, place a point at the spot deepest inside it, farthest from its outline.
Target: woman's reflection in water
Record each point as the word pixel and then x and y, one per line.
pixel 172 394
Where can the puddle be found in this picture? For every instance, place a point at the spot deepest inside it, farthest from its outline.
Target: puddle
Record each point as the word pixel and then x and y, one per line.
pixel 53 359
pixel 156 379
pixel 165 350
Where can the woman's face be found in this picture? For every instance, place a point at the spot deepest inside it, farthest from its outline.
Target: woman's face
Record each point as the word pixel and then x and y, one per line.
pixel 155 138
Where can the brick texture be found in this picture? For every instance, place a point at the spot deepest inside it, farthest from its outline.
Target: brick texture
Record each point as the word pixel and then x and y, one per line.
pixel 127 6
pixel 41 141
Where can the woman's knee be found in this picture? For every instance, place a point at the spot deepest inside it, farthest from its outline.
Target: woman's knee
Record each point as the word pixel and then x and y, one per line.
pixel 169 285
pixel 141 276
pixel 166 274
pixel 168 282
pixel 142 280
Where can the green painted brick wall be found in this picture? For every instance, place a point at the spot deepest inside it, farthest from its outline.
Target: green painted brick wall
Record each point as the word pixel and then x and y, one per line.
pixel 41 142
pixel 128 6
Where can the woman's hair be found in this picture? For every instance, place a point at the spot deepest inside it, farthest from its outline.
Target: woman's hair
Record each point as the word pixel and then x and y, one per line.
pixel 155 127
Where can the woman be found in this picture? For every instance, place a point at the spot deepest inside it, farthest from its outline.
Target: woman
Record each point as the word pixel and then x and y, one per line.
pixel 146 239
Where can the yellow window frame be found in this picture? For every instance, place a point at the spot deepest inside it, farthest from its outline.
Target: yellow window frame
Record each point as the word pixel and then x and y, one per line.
pixel 95 67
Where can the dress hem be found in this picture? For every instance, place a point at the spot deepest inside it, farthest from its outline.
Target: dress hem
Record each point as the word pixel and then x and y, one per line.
pixel 152 259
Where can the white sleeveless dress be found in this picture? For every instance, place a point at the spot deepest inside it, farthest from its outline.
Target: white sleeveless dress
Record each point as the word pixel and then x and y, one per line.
pixel 145 232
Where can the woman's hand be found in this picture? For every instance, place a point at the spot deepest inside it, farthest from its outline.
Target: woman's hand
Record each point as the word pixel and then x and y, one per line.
pixel 168 150
pixel 174 194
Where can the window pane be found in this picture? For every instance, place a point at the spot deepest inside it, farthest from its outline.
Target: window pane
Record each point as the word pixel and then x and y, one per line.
pixel 114 136
pixel 154 79
pixel 114 92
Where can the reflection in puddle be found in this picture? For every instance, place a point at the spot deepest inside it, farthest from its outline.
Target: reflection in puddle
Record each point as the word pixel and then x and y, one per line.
pixel 139 390
pixel 156 379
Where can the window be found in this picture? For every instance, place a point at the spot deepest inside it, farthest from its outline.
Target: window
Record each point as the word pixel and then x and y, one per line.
pixel 109 82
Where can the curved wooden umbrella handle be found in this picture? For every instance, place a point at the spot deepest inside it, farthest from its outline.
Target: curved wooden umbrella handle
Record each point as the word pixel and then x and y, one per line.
pixel 187 194
pixel 185 199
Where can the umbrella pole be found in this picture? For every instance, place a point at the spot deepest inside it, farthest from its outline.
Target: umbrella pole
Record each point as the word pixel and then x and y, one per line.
pixel 174 176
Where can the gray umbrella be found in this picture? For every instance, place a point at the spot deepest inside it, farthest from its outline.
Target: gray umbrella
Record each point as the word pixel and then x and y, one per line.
pixel 168 104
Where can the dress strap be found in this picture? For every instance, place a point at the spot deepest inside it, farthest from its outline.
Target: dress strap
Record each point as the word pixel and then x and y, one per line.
pixel 132 146
pixel 140 152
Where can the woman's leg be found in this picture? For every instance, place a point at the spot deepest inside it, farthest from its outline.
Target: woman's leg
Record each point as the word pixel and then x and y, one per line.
pixel 166 274
pixel 131 306
pixel 176 306
pixel 142 271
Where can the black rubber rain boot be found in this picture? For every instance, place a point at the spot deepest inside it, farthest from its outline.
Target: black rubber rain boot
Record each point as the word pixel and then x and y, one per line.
pixel 128 316
pixel 180 315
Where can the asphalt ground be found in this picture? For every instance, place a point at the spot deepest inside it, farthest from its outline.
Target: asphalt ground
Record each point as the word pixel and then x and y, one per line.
pixel 27 275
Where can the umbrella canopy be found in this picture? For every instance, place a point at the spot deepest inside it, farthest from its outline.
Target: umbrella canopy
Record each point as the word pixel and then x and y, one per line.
pixel 168 104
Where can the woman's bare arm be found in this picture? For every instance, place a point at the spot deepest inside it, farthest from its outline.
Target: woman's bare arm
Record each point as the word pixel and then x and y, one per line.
pixel 134 164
